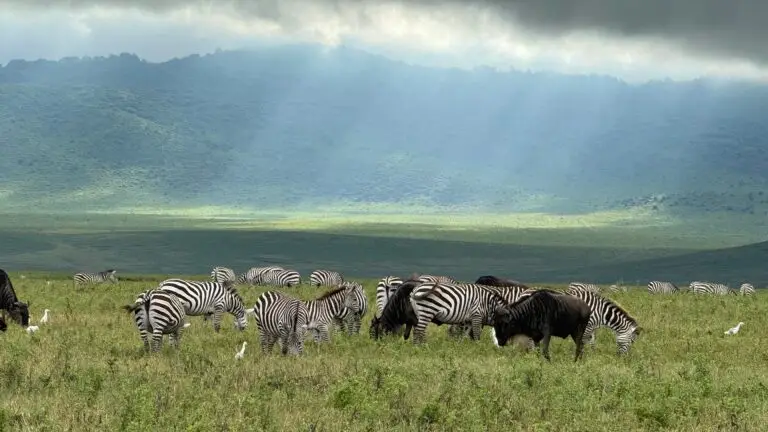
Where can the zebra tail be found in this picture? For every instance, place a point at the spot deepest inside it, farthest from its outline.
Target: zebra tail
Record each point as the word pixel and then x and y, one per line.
pixel 131 308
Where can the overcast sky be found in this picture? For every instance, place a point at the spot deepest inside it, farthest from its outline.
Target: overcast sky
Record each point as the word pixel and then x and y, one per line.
pixel 632 39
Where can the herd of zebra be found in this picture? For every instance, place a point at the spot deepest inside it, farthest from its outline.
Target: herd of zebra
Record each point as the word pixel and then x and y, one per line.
pixel 402 306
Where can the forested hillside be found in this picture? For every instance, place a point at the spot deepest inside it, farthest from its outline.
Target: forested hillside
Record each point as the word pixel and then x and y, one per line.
pixel 301 124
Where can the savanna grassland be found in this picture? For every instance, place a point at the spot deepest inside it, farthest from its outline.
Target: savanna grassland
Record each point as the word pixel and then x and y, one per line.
pixel 86 370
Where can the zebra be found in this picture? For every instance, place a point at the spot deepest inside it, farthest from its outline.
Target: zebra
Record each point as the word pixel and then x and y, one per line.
pixel 698 287
pixel 326 278
pixel 355 305
pixel 617 288
pixel 659 287
pixel 10 304
pixel 433 279
pixel 746 289
pixel 159 312
pixel 254 275
pixel 206 298
pixel 581 286
pixel 287 278
pixel 510 294
pixel 94 278
pixel 330 309
pixel 453 304
pixel 282 319
pixel 384 290
pixel 607 313
pixel 223 274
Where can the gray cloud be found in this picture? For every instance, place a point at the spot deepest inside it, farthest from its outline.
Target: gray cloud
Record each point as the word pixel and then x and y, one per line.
pixel 737 28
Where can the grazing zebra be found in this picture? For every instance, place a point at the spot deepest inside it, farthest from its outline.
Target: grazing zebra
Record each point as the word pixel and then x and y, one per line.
pixel 581 286
pixel 329 309
pixel 254 275
pixel 510 294
pixel 659 287
pixel 10 304
pixel 94 278
pixel 282 319
pixel 746 289
pixel 223 274
pixel 205 298
pixel 385 289
pixel 158 312
pixel 698 287
pixel 326 278
pixel 355 305
pixel 607 313
pixel 280 278
pixel 453 304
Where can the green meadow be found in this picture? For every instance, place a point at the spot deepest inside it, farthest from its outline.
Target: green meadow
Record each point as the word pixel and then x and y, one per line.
pixel 86 370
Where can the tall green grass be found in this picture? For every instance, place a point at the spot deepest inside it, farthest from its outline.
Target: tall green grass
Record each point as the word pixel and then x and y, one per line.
pixel 86 370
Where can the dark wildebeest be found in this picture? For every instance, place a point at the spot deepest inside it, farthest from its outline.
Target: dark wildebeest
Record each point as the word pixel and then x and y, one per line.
pixel 499 282
pixel 396 313
pixel 544 314
pixel 9 303
pixel 3 325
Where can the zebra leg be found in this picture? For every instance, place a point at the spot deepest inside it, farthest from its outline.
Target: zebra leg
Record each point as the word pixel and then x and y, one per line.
pixel 217 313
pixel 476 328
pixel 420 332
pixel 176 337
pixel 357 323
pixel 157 340
pixel 267 342
pixel 144 339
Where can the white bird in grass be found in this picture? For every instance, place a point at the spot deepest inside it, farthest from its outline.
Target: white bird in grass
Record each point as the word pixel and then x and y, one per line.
pixel 187 325
pixel 241 353
pixel 32 329
pixel 44 319
pixel 734 330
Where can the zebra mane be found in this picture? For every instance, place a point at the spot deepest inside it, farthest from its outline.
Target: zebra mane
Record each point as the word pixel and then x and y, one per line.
pixel 330 293
pixel 230 287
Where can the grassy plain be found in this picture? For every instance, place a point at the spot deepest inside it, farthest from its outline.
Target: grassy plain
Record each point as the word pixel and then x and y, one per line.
pixel 86 371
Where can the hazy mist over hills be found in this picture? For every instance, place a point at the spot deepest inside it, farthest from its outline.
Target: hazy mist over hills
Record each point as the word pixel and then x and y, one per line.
pixel 302 124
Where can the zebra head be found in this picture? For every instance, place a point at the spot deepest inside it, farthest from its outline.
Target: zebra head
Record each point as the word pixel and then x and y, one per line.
pixel 111 275
pixel 351 297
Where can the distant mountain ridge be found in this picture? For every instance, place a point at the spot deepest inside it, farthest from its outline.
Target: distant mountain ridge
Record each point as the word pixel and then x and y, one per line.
pixel 301 124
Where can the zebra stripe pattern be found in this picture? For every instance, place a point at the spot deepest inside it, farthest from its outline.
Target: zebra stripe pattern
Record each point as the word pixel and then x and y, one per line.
pixel 435 279
pixel 10 304
pixel 574 287
pixel 281 278
pixel 659 287
pixel 94 278
pixel 746 289
pixel 355 307
pixel 325 278
pixel 205 298
pixel 697 287
pixel 510 294
pixel 282 319
pixel 254 275
pixel 384 290
pixel 328 309
pixel 158 312
pixel 607 313
pixel 453 304
pixel 223 274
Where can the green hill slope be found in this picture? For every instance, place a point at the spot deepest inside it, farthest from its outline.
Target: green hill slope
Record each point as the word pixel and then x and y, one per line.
pixel 293 125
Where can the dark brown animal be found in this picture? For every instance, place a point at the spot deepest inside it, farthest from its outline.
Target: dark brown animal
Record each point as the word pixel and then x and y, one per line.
pixel 544 314
pixel 499 282
pixel 10 304
pixel 397 312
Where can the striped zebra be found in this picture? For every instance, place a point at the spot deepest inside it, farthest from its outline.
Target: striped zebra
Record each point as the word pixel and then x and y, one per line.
pixel 355 305
pixel 205 298
pixel 384 290
pixel 283 319
pixel 617 288
pixel 280 278
pixel 746 289
pixel 254 275
pixel 453 304
pixel 698 287
pixel 325 278
pixel 581 286
pixel 510 294
pixel 94 278
pixel 223 274
pixel 330 310
pixel 10 304
pixel 158 312
pixel 607 313
pixel 659 287
pixel 434 279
